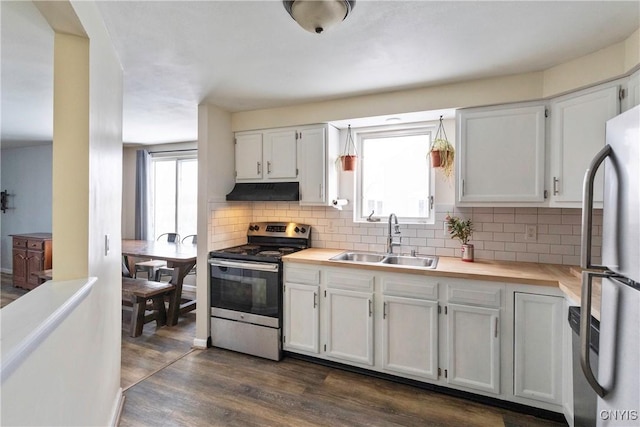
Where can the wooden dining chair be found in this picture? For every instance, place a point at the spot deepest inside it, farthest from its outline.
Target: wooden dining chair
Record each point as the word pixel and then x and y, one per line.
pixel 166 271
pixel 151 267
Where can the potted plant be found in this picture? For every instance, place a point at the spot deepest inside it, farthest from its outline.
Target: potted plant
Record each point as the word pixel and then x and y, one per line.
pixel 348 160
pixel 462 230
pixel 442 152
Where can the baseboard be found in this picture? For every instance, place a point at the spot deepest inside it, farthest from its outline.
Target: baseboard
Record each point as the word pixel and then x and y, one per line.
pixel 199 343
pixel 6 270
pixel 189 288
pixel 116 412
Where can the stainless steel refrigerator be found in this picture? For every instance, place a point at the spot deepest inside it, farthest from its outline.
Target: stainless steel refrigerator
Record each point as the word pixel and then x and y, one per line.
pixel 617 382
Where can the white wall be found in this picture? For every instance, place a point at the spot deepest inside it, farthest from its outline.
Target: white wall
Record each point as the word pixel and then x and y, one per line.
pixel 78 374
pixel 26 175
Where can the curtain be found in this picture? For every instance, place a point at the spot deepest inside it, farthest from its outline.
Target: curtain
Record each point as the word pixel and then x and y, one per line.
pixel 143 163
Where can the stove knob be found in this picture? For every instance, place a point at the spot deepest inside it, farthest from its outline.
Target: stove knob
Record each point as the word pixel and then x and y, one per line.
pixel 297 230
pixel 256 227
pixel 303 230
pixel 250 227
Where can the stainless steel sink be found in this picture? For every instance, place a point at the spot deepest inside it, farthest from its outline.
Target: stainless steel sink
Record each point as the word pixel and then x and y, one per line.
pixel 427 262
pixel 359 257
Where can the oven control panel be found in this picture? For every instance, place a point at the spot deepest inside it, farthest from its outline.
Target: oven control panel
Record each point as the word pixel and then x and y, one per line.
pixel 279 229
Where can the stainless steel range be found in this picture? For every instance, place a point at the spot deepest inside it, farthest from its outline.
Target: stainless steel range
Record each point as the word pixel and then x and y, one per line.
pixel 246 288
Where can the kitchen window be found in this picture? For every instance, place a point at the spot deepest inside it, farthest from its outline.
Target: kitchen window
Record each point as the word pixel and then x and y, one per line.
pixel 394 174
pixel 174 199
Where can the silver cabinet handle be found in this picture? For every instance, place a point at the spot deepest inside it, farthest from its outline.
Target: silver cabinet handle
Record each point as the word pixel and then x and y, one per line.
pixel 370 308
pixel 585 335
pixel 315 299
pixel 555 186
pixel 268 167
pixel 259 167
pixel 384 310
pixel 495 327
pixel 587 207
pixel 320 190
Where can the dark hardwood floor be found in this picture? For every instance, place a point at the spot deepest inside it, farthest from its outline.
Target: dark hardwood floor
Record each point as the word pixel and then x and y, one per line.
pixel 167 383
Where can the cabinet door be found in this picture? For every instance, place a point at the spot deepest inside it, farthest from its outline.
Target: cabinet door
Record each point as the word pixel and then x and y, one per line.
pixel 577 134
pixel 20 268
pixel 538 347
pixel 500 156
pixel 249 156
pixel 410 336
pixel 632 92
pixel 313 167
pixel 473 344
pixel 280 154
pixel 301 317
pixel 35 262
pixel 349 325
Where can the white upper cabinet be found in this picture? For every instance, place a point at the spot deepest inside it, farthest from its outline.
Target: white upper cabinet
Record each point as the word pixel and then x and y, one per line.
pixel 280 154
pixel 266 155
pixel 577 133
pixel 317 153
pixel 632 92
pixel 249 156
pixel 500 155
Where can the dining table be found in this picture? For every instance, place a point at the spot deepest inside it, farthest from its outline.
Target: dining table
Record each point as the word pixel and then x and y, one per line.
pixel 181 257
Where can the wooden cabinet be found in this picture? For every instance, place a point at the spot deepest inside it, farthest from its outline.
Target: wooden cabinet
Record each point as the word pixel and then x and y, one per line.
pixel 538 348
pixel 266 155
pixel 302 310
pixel 577 133
pixel 501 155
pixel 31 253
pixel 317 155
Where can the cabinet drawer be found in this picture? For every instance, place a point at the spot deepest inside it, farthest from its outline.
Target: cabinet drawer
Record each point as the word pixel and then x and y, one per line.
pixel 36 244
pixel 19 242
pixel 474 294
pixel 306 276
pixel 409 287
pixel 349 280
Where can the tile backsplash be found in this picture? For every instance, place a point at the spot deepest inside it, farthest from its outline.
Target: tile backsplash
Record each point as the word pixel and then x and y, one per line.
pixel 499 232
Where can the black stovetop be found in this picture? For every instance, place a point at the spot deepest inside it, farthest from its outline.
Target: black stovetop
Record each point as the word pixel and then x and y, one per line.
pixel 268 242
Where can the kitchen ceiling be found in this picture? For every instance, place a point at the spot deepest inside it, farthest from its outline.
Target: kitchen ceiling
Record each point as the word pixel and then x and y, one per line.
pixel 246 55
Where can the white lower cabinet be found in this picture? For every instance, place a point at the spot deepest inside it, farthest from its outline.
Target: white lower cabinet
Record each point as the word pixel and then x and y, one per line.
pixel 538 347
pixel 301 317
pixel 473 345
pixel 493 339
pixel 302 309
pixel 410 336
pixel 349 325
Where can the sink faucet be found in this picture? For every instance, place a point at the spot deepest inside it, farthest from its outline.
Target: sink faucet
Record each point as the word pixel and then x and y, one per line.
pixel 396 228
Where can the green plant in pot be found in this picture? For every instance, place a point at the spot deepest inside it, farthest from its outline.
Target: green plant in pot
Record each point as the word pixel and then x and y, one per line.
pixel 442 152
pixel 462 230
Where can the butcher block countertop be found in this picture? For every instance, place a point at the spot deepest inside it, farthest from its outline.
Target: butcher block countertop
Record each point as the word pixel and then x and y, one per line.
pixel 567 278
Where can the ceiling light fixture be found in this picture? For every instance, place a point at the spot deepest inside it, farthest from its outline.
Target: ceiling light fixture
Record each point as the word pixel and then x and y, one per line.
pixel 316 16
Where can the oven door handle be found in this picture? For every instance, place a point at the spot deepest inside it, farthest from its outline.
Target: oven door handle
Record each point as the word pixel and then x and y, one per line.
pixel 259 266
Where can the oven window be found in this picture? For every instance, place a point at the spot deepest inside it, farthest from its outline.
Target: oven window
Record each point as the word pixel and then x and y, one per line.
pixel 247 291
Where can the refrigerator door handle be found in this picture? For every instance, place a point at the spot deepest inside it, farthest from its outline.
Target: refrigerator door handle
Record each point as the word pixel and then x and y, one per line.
pixel 585 331
pixel 587 208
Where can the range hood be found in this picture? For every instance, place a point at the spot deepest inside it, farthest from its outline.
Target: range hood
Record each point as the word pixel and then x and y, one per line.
pixel 265 191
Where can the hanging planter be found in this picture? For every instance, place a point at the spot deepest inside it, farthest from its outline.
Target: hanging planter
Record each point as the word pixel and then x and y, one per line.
pixel 348 160
pixel 442 152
